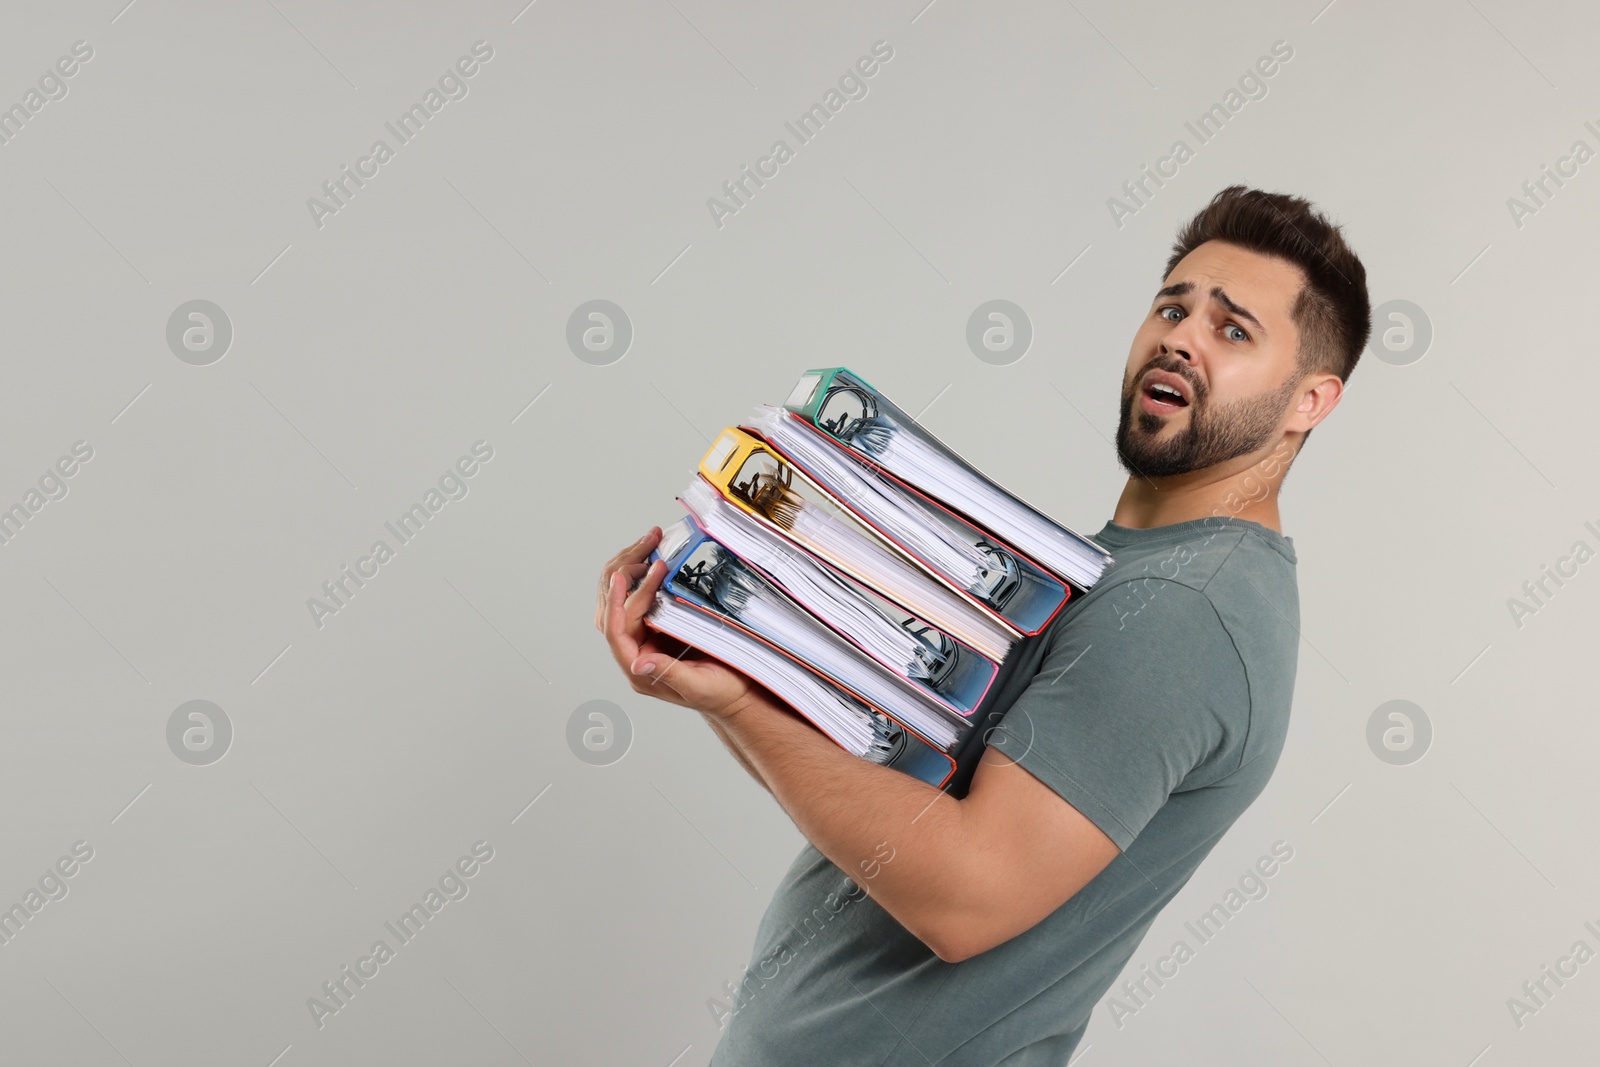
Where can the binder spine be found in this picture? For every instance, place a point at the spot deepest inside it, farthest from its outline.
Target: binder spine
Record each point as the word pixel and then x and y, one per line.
pixel 967 675
pixel 1037 573
pixel 960 731
pixel 809 397
pixel 897 747
pixel 1067 587
pixel 706 605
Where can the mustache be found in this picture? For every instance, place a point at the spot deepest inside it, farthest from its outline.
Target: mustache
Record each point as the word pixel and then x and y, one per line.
pixel 1174 365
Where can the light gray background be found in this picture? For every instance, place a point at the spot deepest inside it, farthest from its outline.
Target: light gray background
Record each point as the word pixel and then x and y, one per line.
pixel 370 353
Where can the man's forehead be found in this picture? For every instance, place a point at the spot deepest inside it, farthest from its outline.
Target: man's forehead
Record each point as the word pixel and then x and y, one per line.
pixel 1239 271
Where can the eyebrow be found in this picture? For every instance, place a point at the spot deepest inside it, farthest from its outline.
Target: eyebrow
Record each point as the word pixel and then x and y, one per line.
pixel 1183 288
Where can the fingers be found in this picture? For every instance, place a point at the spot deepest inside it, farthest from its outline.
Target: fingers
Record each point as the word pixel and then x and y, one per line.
pixel 704 684
pixel 625 613
pixel 652 684
pixel 640 599
pixel 632 556
pixel 686 678
pixel 638 551
pixel 631 642
pixel 631 573
pixel 623 639
pixel 625 624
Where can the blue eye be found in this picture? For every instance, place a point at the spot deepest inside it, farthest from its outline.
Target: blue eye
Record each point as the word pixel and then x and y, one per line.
pixel 1179 314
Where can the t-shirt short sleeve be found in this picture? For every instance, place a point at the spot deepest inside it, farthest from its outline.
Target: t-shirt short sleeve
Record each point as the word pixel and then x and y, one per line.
pixel 1134 693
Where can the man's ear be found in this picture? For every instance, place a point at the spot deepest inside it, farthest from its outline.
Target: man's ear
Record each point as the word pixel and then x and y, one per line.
pixel 1318 396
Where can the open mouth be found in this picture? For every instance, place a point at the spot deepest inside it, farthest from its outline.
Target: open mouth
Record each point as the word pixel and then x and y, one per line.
pixel 1161 399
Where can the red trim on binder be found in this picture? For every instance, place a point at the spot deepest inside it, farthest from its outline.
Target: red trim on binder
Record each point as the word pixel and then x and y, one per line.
pixel 942 752
pixel 931 694
pixel 854 455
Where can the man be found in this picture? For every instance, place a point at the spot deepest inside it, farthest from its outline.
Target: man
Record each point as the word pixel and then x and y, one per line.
pixel 918 928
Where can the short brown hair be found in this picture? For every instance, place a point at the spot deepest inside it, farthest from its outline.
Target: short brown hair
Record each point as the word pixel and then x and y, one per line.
pixel 1332 312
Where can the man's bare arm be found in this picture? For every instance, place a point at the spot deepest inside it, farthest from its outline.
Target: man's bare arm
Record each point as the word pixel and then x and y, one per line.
pixel 966 874
pixel 733 749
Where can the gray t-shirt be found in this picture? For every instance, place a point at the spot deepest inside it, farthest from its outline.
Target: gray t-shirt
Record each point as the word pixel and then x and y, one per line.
pixel 1156 704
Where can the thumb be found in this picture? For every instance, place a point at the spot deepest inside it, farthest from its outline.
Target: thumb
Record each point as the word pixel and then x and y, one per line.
pixel 695 682
pixel 656 669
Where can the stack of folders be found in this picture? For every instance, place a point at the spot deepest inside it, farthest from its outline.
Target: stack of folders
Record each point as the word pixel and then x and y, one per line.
pixel 843 557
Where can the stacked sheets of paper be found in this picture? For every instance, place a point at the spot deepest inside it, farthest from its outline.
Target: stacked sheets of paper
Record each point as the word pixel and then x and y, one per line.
pixel 843 557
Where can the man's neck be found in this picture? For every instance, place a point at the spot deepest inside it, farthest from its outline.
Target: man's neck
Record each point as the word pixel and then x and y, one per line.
pixel 1247 492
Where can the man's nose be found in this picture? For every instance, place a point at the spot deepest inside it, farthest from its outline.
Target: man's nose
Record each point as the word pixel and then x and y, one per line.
pixel 1177 347
pixel 1180 341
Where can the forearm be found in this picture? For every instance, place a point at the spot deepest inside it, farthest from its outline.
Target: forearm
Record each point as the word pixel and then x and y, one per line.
pixel 850 808
pixel 859 814
pixel 744 761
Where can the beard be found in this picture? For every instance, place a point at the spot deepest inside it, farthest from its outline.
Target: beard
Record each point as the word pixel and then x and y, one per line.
pixel 1215 433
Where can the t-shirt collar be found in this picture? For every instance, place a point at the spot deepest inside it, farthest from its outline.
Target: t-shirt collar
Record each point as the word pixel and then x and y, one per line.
pixel 1113 535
